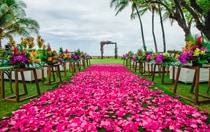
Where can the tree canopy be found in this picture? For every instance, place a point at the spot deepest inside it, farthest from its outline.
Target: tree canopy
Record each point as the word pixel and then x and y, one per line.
pixel 13 20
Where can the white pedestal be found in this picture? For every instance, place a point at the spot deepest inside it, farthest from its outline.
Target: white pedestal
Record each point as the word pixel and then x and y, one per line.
pixel 67 66
pixel 186 75
pixel 29 76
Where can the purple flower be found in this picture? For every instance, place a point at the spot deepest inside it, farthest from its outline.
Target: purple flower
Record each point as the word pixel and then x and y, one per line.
pixel 159 58
pixel 148 57
pixel 24 59
pixel 75 57
pixel 60 60
pixel 20 58
pixel 183 57
pixel 12 62
pixel 134 58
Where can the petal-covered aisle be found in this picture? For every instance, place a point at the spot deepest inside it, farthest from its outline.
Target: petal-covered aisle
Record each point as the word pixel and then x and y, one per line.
pixel 107 97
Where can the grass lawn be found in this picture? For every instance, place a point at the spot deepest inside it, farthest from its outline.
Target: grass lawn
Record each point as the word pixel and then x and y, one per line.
pixel 7 107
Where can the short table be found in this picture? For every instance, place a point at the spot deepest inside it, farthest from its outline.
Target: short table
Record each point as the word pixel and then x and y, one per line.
pixel 17 96
pixel 195 83
pixel 51 69
pixel 163 73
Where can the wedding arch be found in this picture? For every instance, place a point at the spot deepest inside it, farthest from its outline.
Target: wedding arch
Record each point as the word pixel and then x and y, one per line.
pixel 108 42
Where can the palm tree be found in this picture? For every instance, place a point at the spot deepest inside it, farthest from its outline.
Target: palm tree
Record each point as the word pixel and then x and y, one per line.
pixel 121 4
pixel 162 27
pixel 174 11
pixel 13 20
pixel 153 27
pixel 144 7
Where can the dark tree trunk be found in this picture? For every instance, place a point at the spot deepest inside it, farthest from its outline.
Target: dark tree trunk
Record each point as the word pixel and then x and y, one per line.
pixel 153 33
pixel 0 44
pixel 142 30
pixel 162 28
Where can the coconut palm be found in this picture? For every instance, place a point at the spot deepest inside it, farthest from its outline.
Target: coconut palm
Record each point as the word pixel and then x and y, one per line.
pixel 173 11
pixel 122 4
pixel 13 20
pixel 162 27
pixel 144 7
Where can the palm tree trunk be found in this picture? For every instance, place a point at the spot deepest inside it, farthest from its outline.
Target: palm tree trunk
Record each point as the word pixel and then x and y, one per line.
pixel 153 33
pixel 141 26
pixel 162 28
pixel 0 44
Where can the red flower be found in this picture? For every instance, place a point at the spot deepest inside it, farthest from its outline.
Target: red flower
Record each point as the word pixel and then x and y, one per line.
pixel 67 51
pixel 195 46
pixel 15 50
pixel 48 48
pixel 199 40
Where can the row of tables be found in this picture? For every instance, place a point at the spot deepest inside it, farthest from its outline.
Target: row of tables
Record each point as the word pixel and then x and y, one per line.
pixel 51 70
pixel 162 70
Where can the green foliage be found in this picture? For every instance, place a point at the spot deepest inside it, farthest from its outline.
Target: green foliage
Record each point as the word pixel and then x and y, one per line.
pixel 61 50
pixel 205 5
pixel 13 20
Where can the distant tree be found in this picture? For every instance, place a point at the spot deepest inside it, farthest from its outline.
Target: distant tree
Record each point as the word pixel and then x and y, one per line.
pixel 186 12
pixel 121 4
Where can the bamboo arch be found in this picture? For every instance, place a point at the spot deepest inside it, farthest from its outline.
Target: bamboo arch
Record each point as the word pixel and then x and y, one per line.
pixel 108 42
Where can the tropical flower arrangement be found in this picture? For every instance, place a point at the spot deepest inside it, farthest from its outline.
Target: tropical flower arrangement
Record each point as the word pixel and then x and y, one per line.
pixel 20 58
pixel 64 56
pixel 196 51
pixel 143 56
pixel 85 56
pixel 128 55
pixel 49 56
pixel 166 59
pixel 75 57
pixel 135 58
pixel 88 57
pixel 125 56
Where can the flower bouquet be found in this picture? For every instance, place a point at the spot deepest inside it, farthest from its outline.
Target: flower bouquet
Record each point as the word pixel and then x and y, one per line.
pixel 63 56
pixel 196 51
pixel 75 57
pixel 49 56
pixel 21 58
pixel 166 59
pixel 141 56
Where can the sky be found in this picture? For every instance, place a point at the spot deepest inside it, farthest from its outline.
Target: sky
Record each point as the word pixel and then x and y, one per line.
pixel 83 24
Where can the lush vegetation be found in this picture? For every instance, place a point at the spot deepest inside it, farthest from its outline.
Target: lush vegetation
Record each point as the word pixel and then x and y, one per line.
pixel 187 13
pixel 13 20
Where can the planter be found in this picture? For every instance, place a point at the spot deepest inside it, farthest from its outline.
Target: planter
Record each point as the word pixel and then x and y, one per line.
pixel 186 75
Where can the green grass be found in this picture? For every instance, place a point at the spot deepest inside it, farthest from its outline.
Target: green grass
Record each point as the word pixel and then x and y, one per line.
pixel 183 89
pixel 7 107
pixel 107 61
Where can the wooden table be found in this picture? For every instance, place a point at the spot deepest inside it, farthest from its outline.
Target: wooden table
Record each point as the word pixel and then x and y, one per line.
pixel 209 78
pixel 17 96
pixel 7 70
pixel 141 67
pixel 162 73
pixel 65 68
pixel 74 65
pixel 195 83
pixel 51 69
